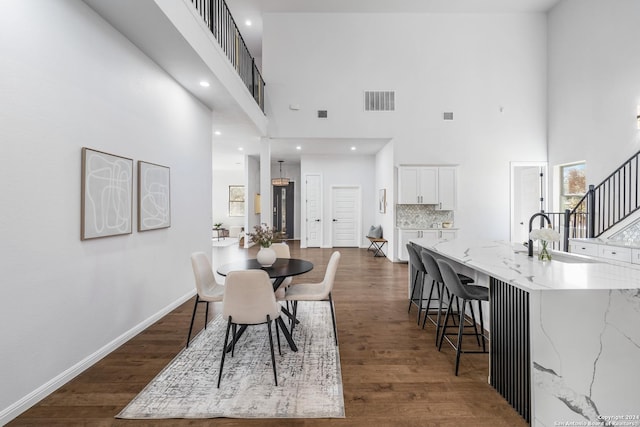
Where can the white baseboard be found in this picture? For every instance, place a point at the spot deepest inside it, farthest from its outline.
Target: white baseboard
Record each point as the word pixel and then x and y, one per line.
pixel 17 408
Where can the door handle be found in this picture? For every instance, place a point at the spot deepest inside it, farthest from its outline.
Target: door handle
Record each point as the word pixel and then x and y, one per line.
pixel 335 220
pixel 317 220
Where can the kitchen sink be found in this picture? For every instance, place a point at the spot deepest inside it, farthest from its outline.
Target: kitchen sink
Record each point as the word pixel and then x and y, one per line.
pixel 563 257
pixel 572 259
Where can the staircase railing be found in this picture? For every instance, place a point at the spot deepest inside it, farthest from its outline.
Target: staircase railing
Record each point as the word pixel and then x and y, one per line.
pixel 603 206
pixel 217 16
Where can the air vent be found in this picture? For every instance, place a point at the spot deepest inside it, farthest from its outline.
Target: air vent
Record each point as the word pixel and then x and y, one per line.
pixel 447 116
pixel 322 114
pixel 381 100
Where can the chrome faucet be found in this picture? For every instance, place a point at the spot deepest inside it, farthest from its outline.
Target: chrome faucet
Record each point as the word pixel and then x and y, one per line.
pixel 538 214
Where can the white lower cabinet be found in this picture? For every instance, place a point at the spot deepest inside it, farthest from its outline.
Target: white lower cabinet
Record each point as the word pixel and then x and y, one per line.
pixel 432 234
pixel 581 248
pixel 615 253
pixel 606 251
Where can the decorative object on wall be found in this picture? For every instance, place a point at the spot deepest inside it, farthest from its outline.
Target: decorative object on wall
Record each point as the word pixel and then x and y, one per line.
pixel 236 200
pixel 107 195
pixel 382 200
pixel 256 203
pixel 280 182
pixel 154 196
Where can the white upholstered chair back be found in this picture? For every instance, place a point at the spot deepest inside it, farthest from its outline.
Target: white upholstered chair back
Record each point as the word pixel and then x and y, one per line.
pixel 206 284
pixel 281 250
pixel 330 274
pixel 249 298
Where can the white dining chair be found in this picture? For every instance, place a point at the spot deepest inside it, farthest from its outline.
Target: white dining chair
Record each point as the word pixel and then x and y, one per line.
pixel 282 251
pixel 316 291
pixel 207 289
pixel 249 300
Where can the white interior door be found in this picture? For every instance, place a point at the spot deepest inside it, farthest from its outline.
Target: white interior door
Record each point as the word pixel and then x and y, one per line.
pixel 345 206
pixel 527 196
pixel 313 210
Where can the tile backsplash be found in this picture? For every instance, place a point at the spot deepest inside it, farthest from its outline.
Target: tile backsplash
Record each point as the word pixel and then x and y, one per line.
pixel 630 234
pixel 420 216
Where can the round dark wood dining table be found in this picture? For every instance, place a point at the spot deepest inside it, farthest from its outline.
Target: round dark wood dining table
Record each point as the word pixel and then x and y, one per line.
pixel 281 268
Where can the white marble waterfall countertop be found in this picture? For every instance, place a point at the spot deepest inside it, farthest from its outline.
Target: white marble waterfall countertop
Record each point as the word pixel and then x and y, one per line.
pixel 509 262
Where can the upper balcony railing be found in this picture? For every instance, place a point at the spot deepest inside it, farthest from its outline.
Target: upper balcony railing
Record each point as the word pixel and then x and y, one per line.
pixel 216 15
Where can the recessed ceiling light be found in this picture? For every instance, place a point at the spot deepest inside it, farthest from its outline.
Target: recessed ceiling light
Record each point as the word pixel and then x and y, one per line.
pixel 353 148
pixel 205 83
pixel 217 133
pixel 298 148
pixel 240 149
pixel 247 22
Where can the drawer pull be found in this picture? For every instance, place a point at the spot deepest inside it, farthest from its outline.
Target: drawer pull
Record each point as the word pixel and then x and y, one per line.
pixel 584 249
pixel 613 253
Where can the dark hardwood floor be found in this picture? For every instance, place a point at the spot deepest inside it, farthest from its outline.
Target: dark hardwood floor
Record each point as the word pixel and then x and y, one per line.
pixel 392 373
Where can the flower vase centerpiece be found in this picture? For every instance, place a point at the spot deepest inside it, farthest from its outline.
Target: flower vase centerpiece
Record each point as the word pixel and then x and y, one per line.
pixel 544 235
pixel 264 236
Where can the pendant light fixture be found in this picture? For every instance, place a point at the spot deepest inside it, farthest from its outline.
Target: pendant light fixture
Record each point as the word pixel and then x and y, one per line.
pixel 280 182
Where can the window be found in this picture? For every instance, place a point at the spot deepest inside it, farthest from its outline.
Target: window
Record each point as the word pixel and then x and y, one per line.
pixel 236 200
pixel 573 185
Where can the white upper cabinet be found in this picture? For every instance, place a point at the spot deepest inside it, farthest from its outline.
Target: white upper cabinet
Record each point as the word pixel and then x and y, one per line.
pixel 408 190
pixel 427 185
pixel 447 188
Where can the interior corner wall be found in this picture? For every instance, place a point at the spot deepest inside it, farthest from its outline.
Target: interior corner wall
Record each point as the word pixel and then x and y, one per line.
pixel 489 70
pixel 69 80
pixel 385 179
pixel 594 89
pixel 222 179
pixel 252 171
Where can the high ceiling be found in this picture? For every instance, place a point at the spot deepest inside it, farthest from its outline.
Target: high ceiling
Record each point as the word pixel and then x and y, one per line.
pixel 253 10
pixel 226 147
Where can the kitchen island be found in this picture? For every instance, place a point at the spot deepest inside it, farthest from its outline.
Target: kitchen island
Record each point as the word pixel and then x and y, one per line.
pixel 565 333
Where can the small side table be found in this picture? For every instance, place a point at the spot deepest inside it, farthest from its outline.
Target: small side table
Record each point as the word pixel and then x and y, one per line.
pixel 376 246
pixel 220 232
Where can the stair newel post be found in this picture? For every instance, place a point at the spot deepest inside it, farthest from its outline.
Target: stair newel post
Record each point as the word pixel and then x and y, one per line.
pixel 591 212
pixel 566 224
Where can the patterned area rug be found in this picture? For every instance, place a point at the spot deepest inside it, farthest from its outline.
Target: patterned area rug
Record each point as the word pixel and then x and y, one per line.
pixel 309 381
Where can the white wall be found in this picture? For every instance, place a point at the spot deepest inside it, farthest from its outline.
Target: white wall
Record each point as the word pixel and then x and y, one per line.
pixel 348 171
pixel 489 70
pixel 252 167
pixel 68 80
pixel 386 179
pixel 222 179
pixel 594 89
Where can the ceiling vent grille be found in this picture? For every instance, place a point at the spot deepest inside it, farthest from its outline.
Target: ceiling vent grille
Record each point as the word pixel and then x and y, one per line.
pixel 379 100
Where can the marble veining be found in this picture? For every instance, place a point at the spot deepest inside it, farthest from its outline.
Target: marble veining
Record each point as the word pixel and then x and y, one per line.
pixel 585 334
pixel 509 262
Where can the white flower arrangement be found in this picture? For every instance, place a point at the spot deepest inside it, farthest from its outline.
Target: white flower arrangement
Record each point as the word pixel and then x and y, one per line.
pixel 545 235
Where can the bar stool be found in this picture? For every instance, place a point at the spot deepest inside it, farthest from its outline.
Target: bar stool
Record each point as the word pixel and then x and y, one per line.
pixel 431 266
pixel 416 262
pixel 466 293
